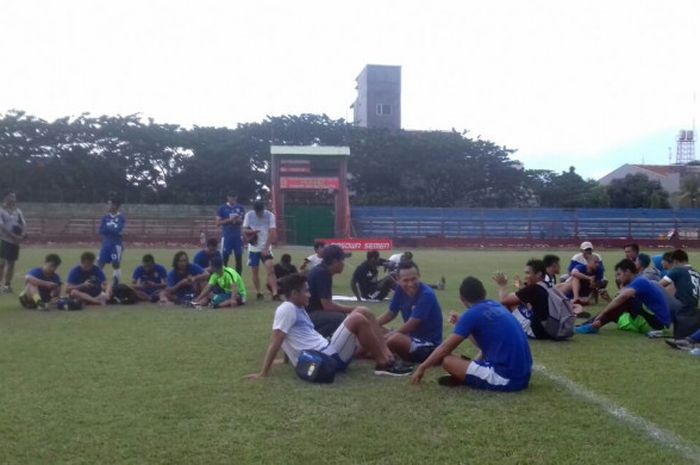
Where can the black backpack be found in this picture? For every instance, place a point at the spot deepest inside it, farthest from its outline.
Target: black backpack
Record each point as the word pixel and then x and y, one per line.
pixel 123 295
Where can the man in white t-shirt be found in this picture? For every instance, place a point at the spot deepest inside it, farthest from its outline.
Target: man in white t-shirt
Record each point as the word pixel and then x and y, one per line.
pixel 293 332
pixel 312 261
pixel 260 231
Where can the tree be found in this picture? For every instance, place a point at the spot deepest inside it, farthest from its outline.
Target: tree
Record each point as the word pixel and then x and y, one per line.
pixel 565 190
pixel 637 191
pixel 690 190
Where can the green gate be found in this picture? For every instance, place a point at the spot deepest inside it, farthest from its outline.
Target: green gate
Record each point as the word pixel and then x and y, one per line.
pixel 308 222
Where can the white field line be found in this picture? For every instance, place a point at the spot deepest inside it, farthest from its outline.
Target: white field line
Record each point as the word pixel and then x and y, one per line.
pixel 666 438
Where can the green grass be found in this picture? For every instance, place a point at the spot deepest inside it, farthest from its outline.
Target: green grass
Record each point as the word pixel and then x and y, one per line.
pixel 149 385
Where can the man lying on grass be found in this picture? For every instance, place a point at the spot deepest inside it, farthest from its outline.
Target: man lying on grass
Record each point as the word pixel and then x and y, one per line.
pixel 641 305
pixel 293 332
pixel 505 362
pixel 420 310
pixel 43 285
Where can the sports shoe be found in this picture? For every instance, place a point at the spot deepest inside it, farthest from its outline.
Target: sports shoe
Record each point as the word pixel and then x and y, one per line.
pixel 7 290
pixel 655 334
pixel 681 344
pixel 261 296
pixel 441 284
pixel 587 329
pixel 695 352
pixel 397 368
pixel 41 305
pixel 276 298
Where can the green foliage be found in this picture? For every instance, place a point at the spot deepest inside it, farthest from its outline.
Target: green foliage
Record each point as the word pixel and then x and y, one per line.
pixel 152 385
pixel 637 191
pixel 690 190
pixel 565 190
pixel 82 159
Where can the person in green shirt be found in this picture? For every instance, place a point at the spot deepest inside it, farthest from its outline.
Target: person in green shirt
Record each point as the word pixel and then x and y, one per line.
pixel 224 289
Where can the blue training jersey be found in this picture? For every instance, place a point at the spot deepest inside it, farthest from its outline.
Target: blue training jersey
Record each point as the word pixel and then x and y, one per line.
pixel 203 259
pixel 502 341
pixel 227 211
pixel 112 227
pixel 155 276
pixel 424 306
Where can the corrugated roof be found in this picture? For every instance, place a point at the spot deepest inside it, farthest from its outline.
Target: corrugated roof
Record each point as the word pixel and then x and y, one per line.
pixel 311 150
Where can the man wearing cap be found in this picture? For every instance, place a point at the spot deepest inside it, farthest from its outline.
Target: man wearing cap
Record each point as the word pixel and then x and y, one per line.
pixel 586 257
pixel 224 289
pixel 230 217
pixel 325 314
pixel 260 230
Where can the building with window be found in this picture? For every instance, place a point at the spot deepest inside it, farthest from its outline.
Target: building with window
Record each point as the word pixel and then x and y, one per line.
pixel 378 102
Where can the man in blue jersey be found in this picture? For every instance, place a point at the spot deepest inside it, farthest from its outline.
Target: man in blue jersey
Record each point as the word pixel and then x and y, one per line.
pixel 87 283
pixel 204 257
pixel 185 280
pixel 149 280
pixel 111 230
pixel 641 306
pixel 42 284
pixel 230 217
pixel 505 363
pixel 421 331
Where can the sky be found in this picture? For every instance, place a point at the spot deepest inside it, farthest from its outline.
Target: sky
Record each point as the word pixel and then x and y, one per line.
pixel 591 84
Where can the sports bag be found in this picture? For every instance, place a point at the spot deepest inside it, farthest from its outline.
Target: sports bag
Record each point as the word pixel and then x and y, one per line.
pixel 124 295
pixel 316 367
pixel 561 320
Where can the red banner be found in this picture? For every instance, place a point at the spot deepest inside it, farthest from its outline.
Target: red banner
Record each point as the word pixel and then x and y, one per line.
pixel 309 183
pixel 361 245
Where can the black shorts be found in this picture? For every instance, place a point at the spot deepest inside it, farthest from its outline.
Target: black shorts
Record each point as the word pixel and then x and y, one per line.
pixel 9 251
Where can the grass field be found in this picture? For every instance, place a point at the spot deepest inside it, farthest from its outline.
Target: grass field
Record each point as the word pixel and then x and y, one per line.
pixel 148 385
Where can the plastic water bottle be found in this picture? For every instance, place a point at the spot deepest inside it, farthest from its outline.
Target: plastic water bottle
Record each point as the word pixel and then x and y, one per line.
pixel 695 352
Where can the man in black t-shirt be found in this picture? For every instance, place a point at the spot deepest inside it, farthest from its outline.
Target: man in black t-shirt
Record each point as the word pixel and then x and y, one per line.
pixel 529 304
pixel 365 283
pixel 325 314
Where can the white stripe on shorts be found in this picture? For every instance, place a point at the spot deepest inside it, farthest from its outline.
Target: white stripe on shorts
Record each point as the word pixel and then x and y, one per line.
pixel 486 373
pixel 344 343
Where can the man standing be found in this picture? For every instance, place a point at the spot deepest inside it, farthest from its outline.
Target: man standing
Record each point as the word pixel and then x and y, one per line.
pixel 230 217
pixel 420 310
pixel 365 283
pixel 12 233
pixel 260 229
pixel 683 283
pixel 325 314
pixel 111 230
pixel 641 306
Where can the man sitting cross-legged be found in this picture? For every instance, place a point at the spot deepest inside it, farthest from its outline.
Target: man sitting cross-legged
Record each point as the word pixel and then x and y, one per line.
pixel 505 363
pixel 682 282
pixel 641 305
pixel 203 257
pixel 87 283
pixel 43 285
pixel 149 280
pixel 420 310
pixel 293 332
pixel 530 303
pixel 225 287
pixel 184 280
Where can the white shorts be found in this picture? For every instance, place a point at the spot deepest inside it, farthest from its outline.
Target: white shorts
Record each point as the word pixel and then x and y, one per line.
pixel 343 345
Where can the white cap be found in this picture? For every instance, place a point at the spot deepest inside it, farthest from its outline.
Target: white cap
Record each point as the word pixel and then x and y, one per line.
pixel 586 245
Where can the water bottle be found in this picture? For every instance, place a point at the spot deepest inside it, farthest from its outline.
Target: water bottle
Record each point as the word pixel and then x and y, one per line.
pixel 695 352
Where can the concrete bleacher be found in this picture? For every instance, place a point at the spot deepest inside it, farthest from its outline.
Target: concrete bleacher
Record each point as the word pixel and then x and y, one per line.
pixel 540 224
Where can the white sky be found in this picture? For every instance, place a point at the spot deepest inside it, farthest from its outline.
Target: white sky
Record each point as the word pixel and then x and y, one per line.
pixel 593 84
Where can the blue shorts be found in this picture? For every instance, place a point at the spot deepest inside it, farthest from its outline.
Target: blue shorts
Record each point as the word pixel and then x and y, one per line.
pixel 110 253
pixel 254 259
pixel 482 375
pixel 231 245
pixel 420 350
